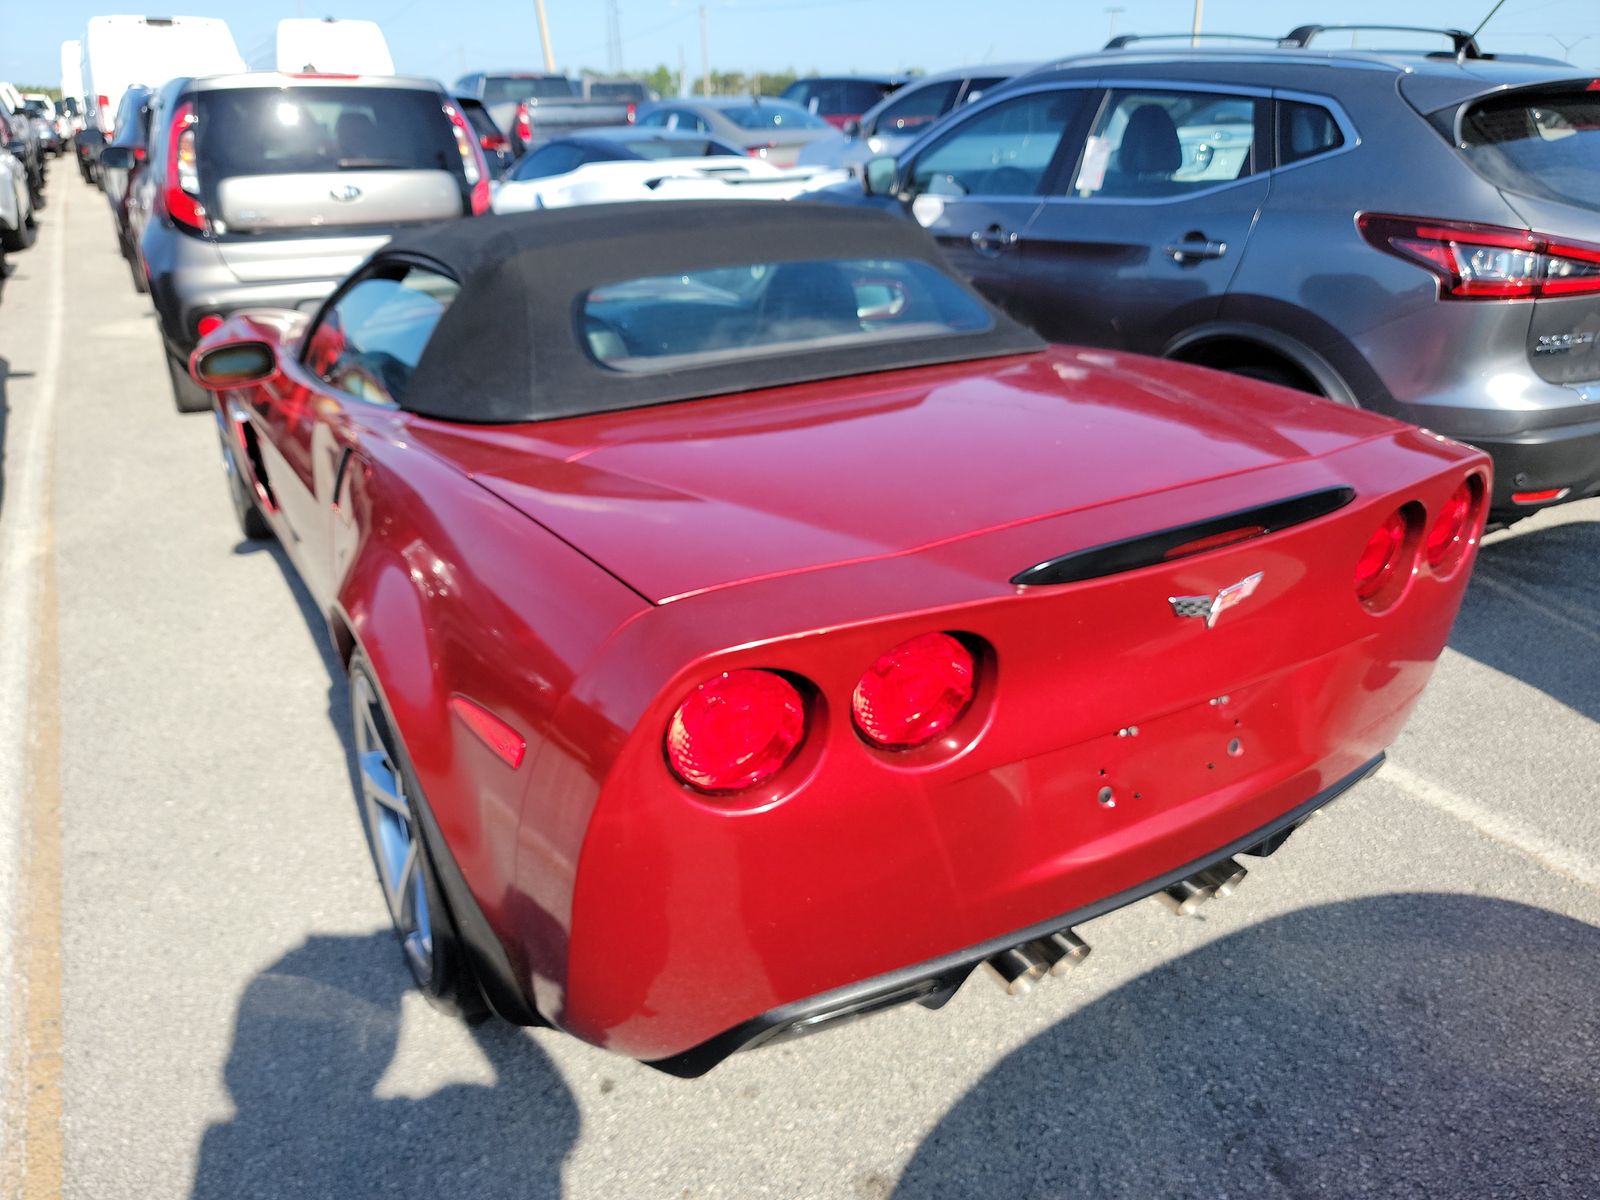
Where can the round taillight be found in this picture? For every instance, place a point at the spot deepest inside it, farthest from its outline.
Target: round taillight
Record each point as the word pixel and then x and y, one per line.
pixel 1449 527
pixel 1377 563
pixel 915 692
pixel 736 731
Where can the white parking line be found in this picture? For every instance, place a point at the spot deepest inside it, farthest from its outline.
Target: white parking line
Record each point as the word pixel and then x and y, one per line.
pixel 24 543
pixel 1502 828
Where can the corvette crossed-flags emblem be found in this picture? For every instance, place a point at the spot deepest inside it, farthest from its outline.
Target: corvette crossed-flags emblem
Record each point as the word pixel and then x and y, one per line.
pixel 1212 607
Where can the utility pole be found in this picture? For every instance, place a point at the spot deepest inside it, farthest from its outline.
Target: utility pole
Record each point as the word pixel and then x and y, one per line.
pixel 1111 25
pixel 544 37
pixel 1194 36
pixel 683 72
pixel 614 36
pixel 705 56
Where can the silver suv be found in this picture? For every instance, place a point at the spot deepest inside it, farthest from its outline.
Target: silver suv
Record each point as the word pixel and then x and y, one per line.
pixel 266 190
pixel 1418 233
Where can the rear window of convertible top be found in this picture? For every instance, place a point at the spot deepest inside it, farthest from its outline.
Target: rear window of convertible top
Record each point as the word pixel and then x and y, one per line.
pixel 669 322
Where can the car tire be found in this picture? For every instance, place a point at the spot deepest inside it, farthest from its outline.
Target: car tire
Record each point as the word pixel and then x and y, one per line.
pixel 389 801
pixel 252 521
pixel 140 283
pixel 20 239
pixel 188 395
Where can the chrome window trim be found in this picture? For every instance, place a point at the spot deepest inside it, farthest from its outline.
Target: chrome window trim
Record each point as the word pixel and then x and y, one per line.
pixel 1347 129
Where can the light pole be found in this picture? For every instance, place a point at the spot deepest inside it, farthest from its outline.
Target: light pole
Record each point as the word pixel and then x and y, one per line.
pixel 1194 35
pixel 1111 23
pixel 544 37
pixel 705 56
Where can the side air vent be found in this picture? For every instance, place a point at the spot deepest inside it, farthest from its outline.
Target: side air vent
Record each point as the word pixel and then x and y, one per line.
pixel 1180 541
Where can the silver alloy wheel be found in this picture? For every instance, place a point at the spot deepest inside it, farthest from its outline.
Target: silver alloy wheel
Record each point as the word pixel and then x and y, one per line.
pixel 392 831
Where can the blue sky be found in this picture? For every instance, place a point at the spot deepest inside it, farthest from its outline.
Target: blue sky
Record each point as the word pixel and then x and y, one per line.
pixel 443 38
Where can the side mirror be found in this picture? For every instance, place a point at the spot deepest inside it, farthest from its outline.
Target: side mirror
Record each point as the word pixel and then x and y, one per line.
pixel 852 128
pixel 116 158
pixel 234 365
pixel 878 176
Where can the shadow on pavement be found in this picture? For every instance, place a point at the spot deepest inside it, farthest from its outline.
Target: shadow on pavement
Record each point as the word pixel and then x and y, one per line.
pixel 1407 1045
pixel 1530 612
pixel 5 374
pixel 315 1033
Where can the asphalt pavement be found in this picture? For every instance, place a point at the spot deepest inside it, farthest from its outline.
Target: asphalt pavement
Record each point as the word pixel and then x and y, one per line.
pixel 202 996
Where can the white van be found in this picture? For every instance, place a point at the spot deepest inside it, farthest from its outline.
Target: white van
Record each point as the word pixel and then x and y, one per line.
pixel 72 71
pixel 329 46
pixel 121 51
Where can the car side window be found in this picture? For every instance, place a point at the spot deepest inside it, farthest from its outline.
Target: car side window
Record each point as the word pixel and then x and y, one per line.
pixel 654 120
pixel 1004 150
pixel 371 339
pixel 1305 131
pixel 916 107
pixel 1161 143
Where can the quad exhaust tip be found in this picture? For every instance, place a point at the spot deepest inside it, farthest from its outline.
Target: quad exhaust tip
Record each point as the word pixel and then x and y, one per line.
pixel 1017 969
pixel 1219 879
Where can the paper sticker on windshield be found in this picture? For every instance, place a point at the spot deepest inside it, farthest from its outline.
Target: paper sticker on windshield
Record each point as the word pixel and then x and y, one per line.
pixel 1096 158
pixel 927 209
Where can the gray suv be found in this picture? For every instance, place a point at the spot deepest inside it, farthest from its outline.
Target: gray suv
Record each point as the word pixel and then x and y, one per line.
pixel 1417 233
pixel 265 190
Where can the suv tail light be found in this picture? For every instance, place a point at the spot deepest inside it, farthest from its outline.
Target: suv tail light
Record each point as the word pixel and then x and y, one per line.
pixel 523 125
pixel 181 193
pixel 633 112
pixel 1378 562
pixel 736 731
pixel 760 151
pixel 915 692
pixel 473 165
pixel 1487 262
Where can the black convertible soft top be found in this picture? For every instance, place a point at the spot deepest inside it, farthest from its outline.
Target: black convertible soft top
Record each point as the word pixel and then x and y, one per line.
pixel 510 347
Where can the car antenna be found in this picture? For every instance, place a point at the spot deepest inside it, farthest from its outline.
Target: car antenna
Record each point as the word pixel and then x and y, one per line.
pixel 1461 53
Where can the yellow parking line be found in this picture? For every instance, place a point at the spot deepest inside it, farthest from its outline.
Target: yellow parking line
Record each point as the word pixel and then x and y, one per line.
pixel 41 924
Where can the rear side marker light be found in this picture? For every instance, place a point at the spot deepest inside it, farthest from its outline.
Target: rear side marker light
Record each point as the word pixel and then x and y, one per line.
pixel 1450 528
pixel 736 731
pixel 208 324
pixel 1487 262
pixel 1378 561
pixel 1544 497
pixel 915 692
pixel 506 743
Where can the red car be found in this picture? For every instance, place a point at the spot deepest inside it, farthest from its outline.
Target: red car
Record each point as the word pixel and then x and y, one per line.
pixel 749 627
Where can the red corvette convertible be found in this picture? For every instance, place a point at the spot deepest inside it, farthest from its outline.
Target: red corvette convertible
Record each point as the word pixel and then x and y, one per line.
pixel 750 628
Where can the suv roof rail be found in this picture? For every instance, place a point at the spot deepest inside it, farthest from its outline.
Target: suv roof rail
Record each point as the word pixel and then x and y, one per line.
pixel 1123 40
pixel 1463 44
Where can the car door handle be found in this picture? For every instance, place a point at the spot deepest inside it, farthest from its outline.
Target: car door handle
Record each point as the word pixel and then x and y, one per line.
pixel 992 241
pixel 1193 248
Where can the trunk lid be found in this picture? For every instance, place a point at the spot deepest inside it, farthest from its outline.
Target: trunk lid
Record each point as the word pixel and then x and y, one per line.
pixel 333 200
pixel 702 494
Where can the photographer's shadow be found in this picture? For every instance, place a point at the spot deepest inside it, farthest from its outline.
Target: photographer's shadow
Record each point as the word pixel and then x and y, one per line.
pixel 1404 1045
pixel 315 1033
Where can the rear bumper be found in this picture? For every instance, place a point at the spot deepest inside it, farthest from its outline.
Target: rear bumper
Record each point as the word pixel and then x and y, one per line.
pixel 184 294
pixel 933 982
pixel 1565 459
pixel 1533 451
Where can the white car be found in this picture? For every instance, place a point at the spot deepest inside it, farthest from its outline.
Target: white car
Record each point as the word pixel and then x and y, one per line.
pixel 723 177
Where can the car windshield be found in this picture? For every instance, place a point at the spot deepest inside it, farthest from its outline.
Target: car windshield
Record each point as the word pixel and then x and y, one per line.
pixel 513 89
pixel 1543 144
pixel 773 114
pixel 670 322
